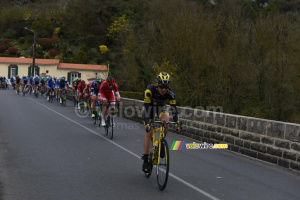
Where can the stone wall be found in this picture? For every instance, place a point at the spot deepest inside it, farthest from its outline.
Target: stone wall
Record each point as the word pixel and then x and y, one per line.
pixel 271 141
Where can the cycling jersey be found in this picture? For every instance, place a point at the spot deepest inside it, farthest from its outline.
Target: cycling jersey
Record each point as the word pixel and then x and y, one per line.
pixel 104 89
pixel 18 80
pixel 43 82
pixel 106 92
pixel 36 81
pixel 50 83
pixel 25 80
pixel 80 87
pixel 12 80
pixel 152 98
pixel 62 84
pixel 94 87
pixel 76 83
pixel 30 80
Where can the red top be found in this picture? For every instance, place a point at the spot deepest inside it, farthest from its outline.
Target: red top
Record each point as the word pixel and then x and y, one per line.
pixel 81 86
pixel 104 89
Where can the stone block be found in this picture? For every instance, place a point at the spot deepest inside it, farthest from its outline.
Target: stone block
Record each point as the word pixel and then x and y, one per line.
pixel 234 133
pixel 219 119
pixel 196 124
pixel 226 131
pixel 199 115
pixel 282 144
pixel 274 151
pixel 295 146
pixel 248 152
pixel 249 136
pixel 257 126
pixel 247 144
pixel 239 142
pixel 290 155
pixel 209 117
pixel 267 158
pixel 233 148
pixel 199 132
pixel 206 134
pixel 191 130
pixel 197 137
pixel 212 141
pixel 211 128
pixel 292 132
pixel 229 139
pixel 283 163
pixel 217 136
pixel 230 121
pixel 259 147
pixel 187 113
pixel 267 140
pixel 295 166
pixel 242 123
pixel 275 129
pixel 188 134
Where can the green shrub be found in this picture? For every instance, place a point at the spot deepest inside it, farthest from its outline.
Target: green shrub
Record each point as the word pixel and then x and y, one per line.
pixel 21 40
pixel 132 95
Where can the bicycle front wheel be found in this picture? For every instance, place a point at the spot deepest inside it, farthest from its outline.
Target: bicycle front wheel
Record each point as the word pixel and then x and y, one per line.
pixel 112 128
pixel 107 125
pixel 162 167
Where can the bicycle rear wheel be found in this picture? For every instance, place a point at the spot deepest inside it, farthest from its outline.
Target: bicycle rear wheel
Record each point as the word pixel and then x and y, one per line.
pixel 65 100
pixel 162 167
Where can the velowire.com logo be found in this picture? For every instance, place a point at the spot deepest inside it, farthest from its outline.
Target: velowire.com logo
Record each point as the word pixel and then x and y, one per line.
pixel 178 145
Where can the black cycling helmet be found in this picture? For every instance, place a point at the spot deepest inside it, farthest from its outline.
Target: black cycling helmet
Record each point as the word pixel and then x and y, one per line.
pixel 163 78
pixel 110 80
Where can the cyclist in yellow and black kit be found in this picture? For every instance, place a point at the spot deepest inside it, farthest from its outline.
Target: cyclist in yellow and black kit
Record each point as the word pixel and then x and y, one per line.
pixel 155 97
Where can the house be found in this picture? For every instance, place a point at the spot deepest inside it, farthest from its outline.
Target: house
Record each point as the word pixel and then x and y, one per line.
pixel 10 67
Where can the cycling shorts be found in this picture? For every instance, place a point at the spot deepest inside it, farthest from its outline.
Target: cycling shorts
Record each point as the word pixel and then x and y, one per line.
pixel 108 96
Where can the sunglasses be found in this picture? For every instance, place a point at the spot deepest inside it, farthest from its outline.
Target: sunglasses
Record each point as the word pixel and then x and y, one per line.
pixel 110 85
pixel 164 86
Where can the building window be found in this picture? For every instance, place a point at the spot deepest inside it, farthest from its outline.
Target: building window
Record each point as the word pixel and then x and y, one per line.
pixel 14 71
pixel 37 71
pixel 74 76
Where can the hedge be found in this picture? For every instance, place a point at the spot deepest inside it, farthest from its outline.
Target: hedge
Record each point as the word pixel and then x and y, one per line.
pixel 132 95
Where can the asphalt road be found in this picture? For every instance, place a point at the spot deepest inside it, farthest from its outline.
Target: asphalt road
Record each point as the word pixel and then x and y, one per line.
pixel 49 152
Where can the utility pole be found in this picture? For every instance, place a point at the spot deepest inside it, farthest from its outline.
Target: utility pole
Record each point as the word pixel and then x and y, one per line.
pixel 33 52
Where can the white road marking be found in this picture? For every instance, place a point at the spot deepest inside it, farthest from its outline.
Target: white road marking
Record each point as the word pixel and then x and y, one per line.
pixel 130 152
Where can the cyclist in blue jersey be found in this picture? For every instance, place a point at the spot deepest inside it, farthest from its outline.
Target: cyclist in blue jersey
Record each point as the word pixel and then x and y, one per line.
pixel 56 87
pixel 30 83
pixel 24 81
pixel 94 88
pixel 36 82
pixel 50 84
pixel 62 85
pixel 13 82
